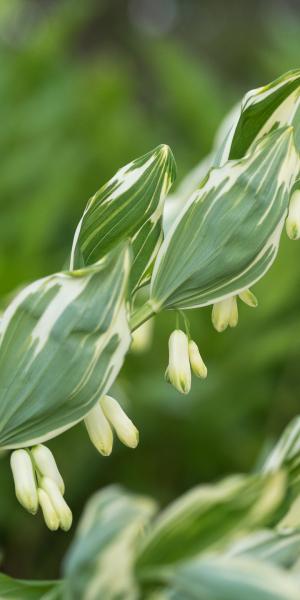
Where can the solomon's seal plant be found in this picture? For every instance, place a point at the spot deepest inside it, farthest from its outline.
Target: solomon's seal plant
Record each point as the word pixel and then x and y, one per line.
pixel 64 337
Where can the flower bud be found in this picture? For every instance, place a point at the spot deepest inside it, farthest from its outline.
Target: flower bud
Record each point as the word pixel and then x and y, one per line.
pixel 50 516
pixel 179 371
pixel 125 429
pixel 234 313
pixel 46 466
pixel 292 223
pixel 99 430
pixel 224 313
pixel 59 504
pixel 197 364
pixel 24 480
pixel 248 298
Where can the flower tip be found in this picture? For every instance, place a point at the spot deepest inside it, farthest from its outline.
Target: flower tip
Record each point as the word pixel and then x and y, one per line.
pixel 24 480
pixel 293 231
pixel 197 363
pixel 292 223
pixel 49 514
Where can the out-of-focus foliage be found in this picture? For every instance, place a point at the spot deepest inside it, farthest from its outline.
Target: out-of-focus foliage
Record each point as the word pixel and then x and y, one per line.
pixel 84 88
pixel 226 541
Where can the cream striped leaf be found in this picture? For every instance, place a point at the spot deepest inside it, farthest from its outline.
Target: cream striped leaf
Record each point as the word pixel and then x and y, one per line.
pixel 228 235
pixel 130 205
pixel 222 578
pixel 99 563
pixel 208 517
pixel 263 110
pixel 63 341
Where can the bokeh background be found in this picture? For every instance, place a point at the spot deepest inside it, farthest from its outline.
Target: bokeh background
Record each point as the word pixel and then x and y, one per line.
pixel 84 88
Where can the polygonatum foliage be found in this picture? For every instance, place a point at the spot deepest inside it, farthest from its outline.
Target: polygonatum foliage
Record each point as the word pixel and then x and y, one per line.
pixel 235 539
pixel 64 338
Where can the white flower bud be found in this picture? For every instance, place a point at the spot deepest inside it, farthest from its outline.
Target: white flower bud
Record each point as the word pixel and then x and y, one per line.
pixel 179 370
pixel 99 430
pixel 197 364
pixel 125 429
pixel 248 298
pixel 59 504
pixel 234 313
pixel 50 516
pixel 46 466
pixel 224 313
pixel 292 223
pixel 24 480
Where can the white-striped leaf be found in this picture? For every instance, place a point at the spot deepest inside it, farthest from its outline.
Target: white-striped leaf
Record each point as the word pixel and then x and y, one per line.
pixel 228 235
pixel 222 578
pixel 99 563
pixel 286 449
pixel 63 341
pixel 261 110
pixel 208 516
pixel 130 205
pixel 265 109
pixel 270 546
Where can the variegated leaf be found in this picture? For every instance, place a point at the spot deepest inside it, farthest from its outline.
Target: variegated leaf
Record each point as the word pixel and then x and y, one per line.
pixel 286 450
pixel 263 110
pixel 228 235
pixel 208 517
pixel 99 563
pixel 270 546
pixel 130 205
pixel 220 578
pixel 63 341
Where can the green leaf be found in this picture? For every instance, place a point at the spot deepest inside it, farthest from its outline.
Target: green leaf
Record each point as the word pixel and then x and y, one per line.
pixel 63 341
pixel 228 235
pixel 15 589
pixel 265 109
pixel 207 517
pixel 130 205
pixel 99 562
pixel 221 578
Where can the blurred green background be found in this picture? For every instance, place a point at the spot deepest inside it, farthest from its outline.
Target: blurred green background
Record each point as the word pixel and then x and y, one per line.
pixel 84 88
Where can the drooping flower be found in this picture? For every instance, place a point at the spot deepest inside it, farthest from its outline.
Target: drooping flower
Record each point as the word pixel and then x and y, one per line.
pixel 38 482
pixel 24 480
pixel 58 503
pixel 225 313
pixel 105 416
pixel 198 367
pixel 178 372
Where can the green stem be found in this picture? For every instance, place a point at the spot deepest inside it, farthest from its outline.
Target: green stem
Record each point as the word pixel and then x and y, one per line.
pixel 140 315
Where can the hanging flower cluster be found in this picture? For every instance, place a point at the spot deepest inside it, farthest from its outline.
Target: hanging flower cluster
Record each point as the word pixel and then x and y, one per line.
pixel 75 327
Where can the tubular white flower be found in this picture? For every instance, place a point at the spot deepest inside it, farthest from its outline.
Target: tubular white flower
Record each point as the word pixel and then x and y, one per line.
pixel 234 313
pixel 46 466
pixel 292 223
pixel 24 480
pixel 224 313
pixel 197 364
pixel 50 516
pixel 125 429
pixel 59 504
pixel 248 298
pixel 99 430
pixel 179 370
